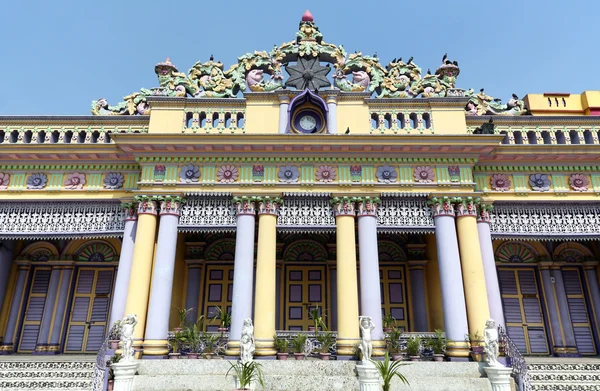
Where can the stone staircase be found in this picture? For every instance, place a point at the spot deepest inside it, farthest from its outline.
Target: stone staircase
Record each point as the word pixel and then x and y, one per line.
pixel 201 375
pixel 557 374
pixel 46 373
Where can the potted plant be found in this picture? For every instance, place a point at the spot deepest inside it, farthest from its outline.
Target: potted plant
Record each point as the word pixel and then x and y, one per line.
pixel 326 339
pixel 476 341
pixel 315 315
pixel 281 344
pixel 111 375
pixel 246 374
pixel 183 313
pixel 114 336
pixel 194 339
pixel 387 371
pixel 388 322
pixel 177 342
pixel 224 317
pixel 209 344
pixel 393 342
pixel 298 343
pixel 413 348
pixel 438 344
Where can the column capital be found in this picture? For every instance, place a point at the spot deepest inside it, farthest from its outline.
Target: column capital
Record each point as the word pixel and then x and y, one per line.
pixel 420 264
pixel 146 204
pixel 465 206
pixel 590 265
pixel 441 206
pixel 283 99
pixel 545 264
pixel 343 206
pixel 130 211
pixel 245 205
pixel 367 206
pixel 171 205
pixel 268 205
pixel 484 213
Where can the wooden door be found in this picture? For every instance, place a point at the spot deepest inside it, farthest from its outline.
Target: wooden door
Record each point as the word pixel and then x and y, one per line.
pixel 393 294
pixel 34 310
pixel 523 309
pixel 305 289
pixel 578 310
pixel 89 310
pixel 218 292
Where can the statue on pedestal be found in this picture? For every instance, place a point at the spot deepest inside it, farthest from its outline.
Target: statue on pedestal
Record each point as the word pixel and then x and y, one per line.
pixel 127 328
pixel 366 344
pixel 247 341
pixel 490 335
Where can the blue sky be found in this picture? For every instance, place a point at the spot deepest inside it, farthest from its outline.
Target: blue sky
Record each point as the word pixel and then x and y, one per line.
pixel 57 56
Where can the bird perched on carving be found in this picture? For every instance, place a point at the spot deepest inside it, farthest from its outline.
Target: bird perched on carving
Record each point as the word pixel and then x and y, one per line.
pixel 515 97
pixel 347 130
pixel 428 71
pixel 455 63
pixel 375 55
pixel 481 90
pixel 211 58
pixel 409 60
pixel 444 58
pixel 394 61
pixel 497 99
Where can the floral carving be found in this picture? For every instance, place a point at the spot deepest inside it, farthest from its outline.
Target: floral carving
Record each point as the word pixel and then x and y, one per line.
pixel 325 174
pixel 4 180
pixel 258 172
pixel 37 181
pixel 227 173
pixel 356 173
pixel 114 180
pixel 539 182
pixel 159 172
pixel 189 173
pixel 579 182
pixel 288 174
pixel 454 172
pixel 423 174
pixel 500 182
pixel 75 181
pixel 386 174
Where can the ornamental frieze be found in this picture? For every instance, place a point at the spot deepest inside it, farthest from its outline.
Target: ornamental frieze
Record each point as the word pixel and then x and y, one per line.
pixel 532 180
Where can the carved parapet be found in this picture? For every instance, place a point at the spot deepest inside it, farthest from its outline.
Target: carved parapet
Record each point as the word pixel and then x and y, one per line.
pixel 343 206
pixel 484 213
pixel 171 204
pixel 465 206
pixel 245 205
pixel 269 205
pixel 441 206
pixel 367 206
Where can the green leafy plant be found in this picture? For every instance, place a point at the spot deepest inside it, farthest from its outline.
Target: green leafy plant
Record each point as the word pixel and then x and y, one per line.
pixel 299 342
pixel 183 313
pixel 210 341
pixel 388 321
pixel 194 336
pixel 388 369
pixel 281 344
pixel 413 346
pixel 393 340
pixel 326 339
pixel 113 359
pixel 476 337
pixel 247 373
pixel 437 343
pixel 180 338
pixel 315 315
pixel 224 317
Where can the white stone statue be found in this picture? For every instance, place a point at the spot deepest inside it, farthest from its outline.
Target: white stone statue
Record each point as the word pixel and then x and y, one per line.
pixel 366 344
pixel 490 336
pixel 127 329
pixel 247 341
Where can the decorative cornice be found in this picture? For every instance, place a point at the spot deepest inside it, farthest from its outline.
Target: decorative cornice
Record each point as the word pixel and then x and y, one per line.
pixel 300 159
pixel 70 167
pixel 532 168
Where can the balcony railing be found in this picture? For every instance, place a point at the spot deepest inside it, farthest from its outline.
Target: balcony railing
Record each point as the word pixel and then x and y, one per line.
pixel 403 122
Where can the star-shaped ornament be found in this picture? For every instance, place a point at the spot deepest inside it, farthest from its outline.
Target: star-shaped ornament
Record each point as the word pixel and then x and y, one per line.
pixel 307 73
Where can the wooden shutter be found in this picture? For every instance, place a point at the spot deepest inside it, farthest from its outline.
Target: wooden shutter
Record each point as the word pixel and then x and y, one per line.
pixel 578 311
pixel 34 309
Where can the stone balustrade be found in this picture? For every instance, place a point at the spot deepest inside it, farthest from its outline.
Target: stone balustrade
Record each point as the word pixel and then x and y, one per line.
pixel 403 122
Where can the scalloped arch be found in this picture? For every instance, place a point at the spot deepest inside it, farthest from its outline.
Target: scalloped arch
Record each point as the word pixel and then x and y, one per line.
pixel 220 250
pixel 390 252
pixel 39 252
pixel 571 252
pixel 96 251
pixel 516 252
pixel 305 251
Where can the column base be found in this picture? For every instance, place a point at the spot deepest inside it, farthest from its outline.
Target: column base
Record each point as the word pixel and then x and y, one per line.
pixel 499 377
pixel 156 347
pixel 264 347
pixel 347 346
pixel 457 349
pixel 368 377
pixel 124 373
pixel 7 349
pixel 46 349
pixel 379 348
pixel 233 348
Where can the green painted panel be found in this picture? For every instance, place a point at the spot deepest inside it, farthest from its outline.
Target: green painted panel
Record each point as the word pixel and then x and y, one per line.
pixel 481 183
pixel 208 174
pixel 147 173
pixel 171 173
pixel 131 181
pixel 246 173
pixel 520 182
pixel 596 183
pixel 271 174
pixel 55 181
pixel 406 174
pixel 558 182
pixel 441 175
pixel 307 174
pixel 368 174
pixel 18 181
pixel 94 181
pixel 343 175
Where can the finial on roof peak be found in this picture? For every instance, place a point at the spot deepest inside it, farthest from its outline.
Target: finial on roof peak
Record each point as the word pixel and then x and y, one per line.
pixel 307 17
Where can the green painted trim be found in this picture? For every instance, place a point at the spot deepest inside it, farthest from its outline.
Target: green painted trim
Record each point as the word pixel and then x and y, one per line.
pixel 596 183
pixel 18 182
pixel 405 174
pixel 307 175
pixel 466 175
pixel 94 182
pixel 74 167
pixel 442 176
pixel 520 182
pixel 209 175
pixel 535 169
pixel 56 182
pixel 297 159
pixel 559 184
pixel 131 181
pixel 481 183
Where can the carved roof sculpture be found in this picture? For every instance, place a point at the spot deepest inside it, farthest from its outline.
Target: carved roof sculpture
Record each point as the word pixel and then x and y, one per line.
pixel 302 59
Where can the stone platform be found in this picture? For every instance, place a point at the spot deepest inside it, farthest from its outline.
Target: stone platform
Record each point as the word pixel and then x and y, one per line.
pixel 197 375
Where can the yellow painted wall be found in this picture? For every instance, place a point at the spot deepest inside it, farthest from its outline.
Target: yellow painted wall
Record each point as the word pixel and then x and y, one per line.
pixel 353 115
pixel 449 121
pixel 262 116
pixel 166 120
pixel 574 104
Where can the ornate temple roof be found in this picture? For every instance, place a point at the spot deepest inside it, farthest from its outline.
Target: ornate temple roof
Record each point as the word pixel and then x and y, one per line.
pixel 308 60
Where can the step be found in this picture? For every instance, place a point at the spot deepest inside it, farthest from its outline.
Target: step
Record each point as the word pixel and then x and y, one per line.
pixel 564 386
pixel 18 373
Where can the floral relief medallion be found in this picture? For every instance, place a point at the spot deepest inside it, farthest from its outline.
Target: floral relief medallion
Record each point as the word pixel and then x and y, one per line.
pixel 75 181
pixel 356 173
pixel 500 182
pixel 539 182
pixel 114 180
pixel 37 181
pixel 386 174
pixel 325 173
pixel 227 173
pixel 258 173
pixel 288 174
pixel 579 182
pixel 189 173
pixel 423 174
pixel 4 180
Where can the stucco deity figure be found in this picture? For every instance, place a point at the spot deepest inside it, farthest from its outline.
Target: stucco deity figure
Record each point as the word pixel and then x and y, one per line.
pixel 247 341
pixel 127 328
pixel 366 344
pixel 490 335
